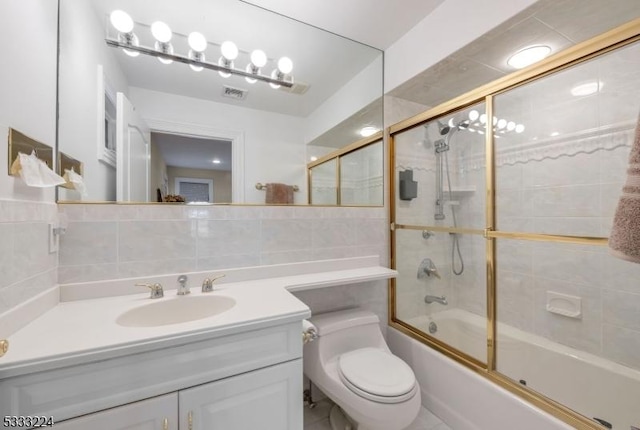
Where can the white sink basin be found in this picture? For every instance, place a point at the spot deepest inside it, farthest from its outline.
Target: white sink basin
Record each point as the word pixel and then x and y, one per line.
pixel 175 310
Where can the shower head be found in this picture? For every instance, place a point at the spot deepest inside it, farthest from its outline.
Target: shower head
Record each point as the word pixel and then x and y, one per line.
pixel 443 129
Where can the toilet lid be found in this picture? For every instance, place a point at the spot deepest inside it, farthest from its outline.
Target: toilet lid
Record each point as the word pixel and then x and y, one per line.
pixel 377 375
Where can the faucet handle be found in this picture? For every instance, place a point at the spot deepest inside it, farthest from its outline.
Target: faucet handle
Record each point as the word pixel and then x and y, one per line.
pixel 207 284
pixel 427 268
pixel 156 290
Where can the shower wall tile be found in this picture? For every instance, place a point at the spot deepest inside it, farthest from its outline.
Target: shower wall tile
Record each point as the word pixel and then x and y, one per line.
pixel 621 309
pixel 621 345
pixel 584 333
pixel 111 241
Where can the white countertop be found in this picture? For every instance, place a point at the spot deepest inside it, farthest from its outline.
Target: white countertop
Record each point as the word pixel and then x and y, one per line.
pixel 81 331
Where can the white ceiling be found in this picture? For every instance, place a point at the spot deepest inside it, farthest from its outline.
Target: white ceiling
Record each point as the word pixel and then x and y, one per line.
pixel 192 152
pixel 377 23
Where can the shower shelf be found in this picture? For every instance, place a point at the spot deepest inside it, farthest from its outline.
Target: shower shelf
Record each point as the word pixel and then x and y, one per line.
pixel 458 193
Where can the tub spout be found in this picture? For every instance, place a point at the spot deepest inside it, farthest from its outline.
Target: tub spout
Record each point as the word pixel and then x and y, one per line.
pixel 430 299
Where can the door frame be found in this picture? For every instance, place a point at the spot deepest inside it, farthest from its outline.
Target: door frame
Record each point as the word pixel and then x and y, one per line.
pixel 201 130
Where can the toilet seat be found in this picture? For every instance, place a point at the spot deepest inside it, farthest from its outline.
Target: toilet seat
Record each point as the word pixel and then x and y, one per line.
pixel 377 375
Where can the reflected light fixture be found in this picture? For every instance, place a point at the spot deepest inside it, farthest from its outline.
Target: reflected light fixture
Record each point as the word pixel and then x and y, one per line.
pixel 313 158
pixel 216 161
pixel 164 51
pixel 368 131
pixel 586 88
pixel 528 56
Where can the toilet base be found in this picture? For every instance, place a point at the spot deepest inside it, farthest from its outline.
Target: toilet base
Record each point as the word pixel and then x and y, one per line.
pixel 339 421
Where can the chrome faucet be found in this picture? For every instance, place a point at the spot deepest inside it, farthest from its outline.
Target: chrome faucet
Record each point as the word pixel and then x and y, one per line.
pixel 156 290
pixel 427 268
pixel 430 299
pixel 207 284
pixel 183 289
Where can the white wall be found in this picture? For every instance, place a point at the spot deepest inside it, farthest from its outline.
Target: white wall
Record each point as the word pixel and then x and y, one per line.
pixel 273 144
pixel 363 89
pixel 28 104
pixel 82 49
pixel 452 25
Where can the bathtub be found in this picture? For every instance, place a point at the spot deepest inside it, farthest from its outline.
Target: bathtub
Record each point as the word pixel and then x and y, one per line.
pixel 588 384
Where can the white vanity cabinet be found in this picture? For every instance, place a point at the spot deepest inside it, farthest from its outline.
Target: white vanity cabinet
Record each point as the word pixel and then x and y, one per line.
pixel 239 381
pixel 158 413
pixel 265 399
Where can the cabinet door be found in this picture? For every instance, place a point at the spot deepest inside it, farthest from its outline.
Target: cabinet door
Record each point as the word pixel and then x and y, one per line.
pixel 147 414
pixel 265 399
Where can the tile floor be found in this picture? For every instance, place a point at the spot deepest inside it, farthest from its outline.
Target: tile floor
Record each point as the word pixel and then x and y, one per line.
pixel 318 419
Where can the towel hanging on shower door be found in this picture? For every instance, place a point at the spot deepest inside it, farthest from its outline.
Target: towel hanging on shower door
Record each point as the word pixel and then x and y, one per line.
pixel 624 240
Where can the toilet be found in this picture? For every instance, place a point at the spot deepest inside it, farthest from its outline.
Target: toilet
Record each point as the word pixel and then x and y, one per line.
pixel 352 364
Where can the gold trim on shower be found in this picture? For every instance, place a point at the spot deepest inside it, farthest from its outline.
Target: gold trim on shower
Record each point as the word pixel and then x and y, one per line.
pixel 607 42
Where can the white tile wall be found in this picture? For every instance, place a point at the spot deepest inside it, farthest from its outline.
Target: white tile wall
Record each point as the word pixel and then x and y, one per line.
pixel 113 241
pixel 26 266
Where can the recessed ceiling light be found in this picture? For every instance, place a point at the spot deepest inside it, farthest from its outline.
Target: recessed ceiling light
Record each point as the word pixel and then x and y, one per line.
pixel 554 134
pixel 368 131
pixel 216 161
pixel 586 88
pixel 529 55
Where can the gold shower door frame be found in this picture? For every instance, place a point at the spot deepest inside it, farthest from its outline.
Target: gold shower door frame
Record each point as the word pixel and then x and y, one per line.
pixel 609 41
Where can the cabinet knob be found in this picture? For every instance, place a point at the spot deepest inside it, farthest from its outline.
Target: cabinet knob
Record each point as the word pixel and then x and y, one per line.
pixel 165 424
pixel 190 420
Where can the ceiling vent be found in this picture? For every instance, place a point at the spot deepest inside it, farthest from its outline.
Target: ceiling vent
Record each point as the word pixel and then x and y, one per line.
pixel 297 88
pixel 234 93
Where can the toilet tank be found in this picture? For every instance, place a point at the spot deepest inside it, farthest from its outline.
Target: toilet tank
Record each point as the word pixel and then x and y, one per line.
pixel 346 330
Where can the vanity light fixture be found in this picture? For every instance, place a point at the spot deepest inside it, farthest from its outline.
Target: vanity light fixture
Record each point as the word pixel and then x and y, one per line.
pixel 163 50
pixel 477 122
pixel 528 56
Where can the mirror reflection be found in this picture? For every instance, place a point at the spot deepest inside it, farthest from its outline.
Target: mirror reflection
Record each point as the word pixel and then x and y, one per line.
pixel 157 113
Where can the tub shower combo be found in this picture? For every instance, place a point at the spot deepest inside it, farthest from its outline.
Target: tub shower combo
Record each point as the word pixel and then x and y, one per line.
pixel 501 248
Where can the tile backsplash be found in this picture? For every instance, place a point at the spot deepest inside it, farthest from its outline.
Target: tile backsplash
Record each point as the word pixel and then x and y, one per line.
pixel 115 241
pixel 26 266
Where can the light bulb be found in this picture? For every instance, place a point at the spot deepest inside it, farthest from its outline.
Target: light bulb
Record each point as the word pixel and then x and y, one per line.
pixel 285 65
pixel 164 48
pixel 223 62
pixel 196 56
pixel 511 126
pixel 229 50
pixel 275 74
pixel 450 123
pixel 483 118
pixel 519 128
pixel 129 39
pixel 258 58
pixel 502 123
pixel 473 115
pixel 251 69
pixel 161 32
pixel 197 42
pixel 121 21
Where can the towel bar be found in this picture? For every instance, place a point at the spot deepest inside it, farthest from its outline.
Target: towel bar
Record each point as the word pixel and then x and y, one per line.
pixel 260 186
